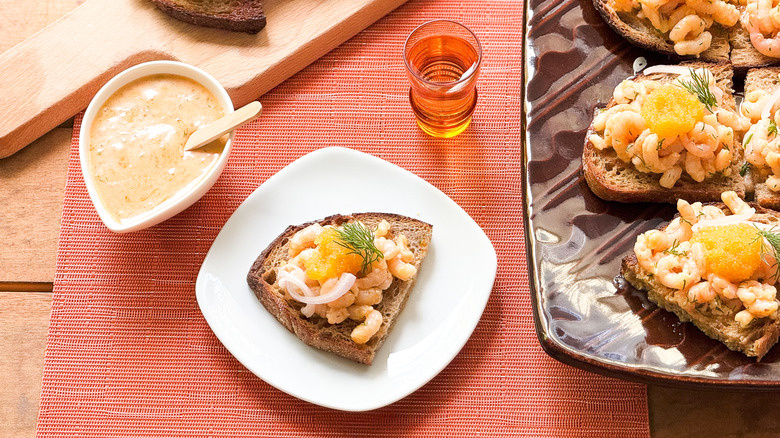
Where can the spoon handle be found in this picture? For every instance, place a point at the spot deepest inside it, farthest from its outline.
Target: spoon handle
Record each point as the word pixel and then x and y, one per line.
pixel 219 127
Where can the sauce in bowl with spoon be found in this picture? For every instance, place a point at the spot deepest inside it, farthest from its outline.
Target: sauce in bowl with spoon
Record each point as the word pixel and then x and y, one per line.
pixel 136 151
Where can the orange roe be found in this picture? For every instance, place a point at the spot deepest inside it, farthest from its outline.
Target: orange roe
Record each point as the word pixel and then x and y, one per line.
pixel 732 251
pixel 330 259
pixel 670 110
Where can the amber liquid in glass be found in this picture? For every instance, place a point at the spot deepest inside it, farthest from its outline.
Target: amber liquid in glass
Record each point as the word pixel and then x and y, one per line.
pixel 442 106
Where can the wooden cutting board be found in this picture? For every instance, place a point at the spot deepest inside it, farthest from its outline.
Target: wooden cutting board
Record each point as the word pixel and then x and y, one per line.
pixel 52 75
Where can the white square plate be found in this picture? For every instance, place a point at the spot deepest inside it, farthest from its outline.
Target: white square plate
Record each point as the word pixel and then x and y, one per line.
pixel 455 281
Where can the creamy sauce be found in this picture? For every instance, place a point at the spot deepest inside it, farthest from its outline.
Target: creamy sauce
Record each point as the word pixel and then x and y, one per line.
pixel 136 152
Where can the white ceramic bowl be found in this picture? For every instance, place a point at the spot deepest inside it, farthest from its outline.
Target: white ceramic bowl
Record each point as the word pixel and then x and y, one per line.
pixel 187 195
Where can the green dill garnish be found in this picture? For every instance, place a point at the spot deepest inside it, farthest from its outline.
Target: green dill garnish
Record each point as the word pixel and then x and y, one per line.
pixel 772 128
pixel 660 144
pixel 744 169
pixel 359 240
pixel 774 242
pixel 699 86
pixel 642 160
pixel 749 137
pixel 674 251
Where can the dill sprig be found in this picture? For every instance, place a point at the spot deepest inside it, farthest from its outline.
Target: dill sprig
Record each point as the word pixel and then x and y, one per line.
pixel 744 169
pixel 359 240
pixel 772 129
pixel 699 86
pixel 774 242
pixel 674 251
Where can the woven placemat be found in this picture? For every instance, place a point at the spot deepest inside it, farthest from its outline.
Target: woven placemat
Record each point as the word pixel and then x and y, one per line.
pixel 130 354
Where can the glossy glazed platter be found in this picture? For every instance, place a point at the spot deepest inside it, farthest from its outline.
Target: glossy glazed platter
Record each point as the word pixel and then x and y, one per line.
pixel 585 315
pixel 421 344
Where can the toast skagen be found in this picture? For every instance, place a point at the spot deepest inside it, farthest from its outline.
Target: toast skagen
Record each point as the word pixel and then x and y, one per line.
pixel 728 43
pixel 754 340
pixel 641 33
pixel 316 331
pixel 612 179
pixel 760 84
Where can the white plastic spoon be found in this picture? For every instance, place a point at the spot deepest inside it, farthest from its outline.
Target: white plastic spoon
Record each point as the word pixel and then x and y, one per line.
pixel 208 133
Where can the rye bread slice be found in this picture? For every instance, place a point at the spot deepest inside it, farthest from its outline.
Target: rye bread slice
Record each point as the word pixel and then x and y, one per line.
pixel 728 43
pixel 755 340
pixel 641 33
pixel 316 331
pixel 743 54
pixel 234 15
pixel 765 80
pixel 612 179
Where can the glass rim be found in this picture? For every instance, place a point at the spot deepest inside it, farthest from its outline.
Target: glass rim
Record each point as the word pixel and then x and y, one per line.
pixel 439 84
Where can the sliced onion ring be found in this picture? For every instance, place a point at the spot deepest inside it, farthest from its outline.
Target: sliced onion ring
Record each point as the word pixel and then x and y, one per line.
pixel 725 220
pixel 670 69
pixel 767 110
pixel 288 280
pixel 342 286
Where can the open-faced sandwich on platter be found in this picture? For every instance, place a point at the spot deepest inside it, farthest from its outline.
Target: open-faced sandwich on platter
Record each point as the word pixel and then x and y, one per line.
pixel 715 265
pixel 340 283
pixel 670 132
pixel 743 32
pixel 762 141
pixel 674 27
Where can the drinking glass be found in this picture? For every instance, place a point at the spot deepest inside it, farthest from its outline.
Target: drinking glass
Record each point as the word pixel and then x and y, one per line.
pixel 442 59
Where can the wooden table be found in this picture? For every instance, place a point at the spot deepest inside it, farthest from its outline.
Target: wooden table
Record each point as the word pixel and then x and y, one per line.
pixel 32 184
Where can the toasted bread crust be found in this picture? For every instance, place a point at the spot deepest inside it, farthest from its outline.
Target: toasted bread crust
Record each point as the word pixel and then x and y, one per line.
pixel 743 54
pixel 612 179
pixel 755 340
pixel 315 331
pixel 728 44
pixel 642 34
pixel 238 15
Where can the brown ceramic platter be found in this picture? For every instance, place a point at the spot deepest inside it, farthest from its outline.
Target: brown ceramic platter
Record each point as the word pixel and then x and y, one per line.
pixel 585 315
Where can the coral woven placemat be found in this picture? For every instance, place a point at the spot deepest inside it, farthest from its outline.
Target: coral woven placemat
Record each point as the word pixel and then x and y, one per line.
pixel 130 354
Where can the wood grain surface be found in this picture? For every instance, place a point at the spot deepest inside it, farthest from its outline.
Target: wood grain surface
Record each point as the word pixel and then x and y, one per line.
pixel 53 74
pixel 30 182
pixel 33 181
pixel 21 19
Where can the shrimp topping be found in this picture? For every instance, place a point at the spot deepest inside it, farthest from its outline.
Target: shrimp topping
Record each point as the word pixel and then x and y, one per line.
pixel 762 21
pixel 762 145
pixel 682 128
pixel 717 264
pixel 685 23
pixel 319 262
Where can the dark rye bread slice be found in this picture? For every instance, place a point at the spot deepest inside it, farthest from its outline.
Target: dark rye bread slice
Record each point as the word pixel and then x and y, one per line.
pixel 612 179
pixel 765 80
pixel 316 331
pixel 728 44
pixel 234 15
pixel 743 54
pixel 641 33
pixel 755 340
